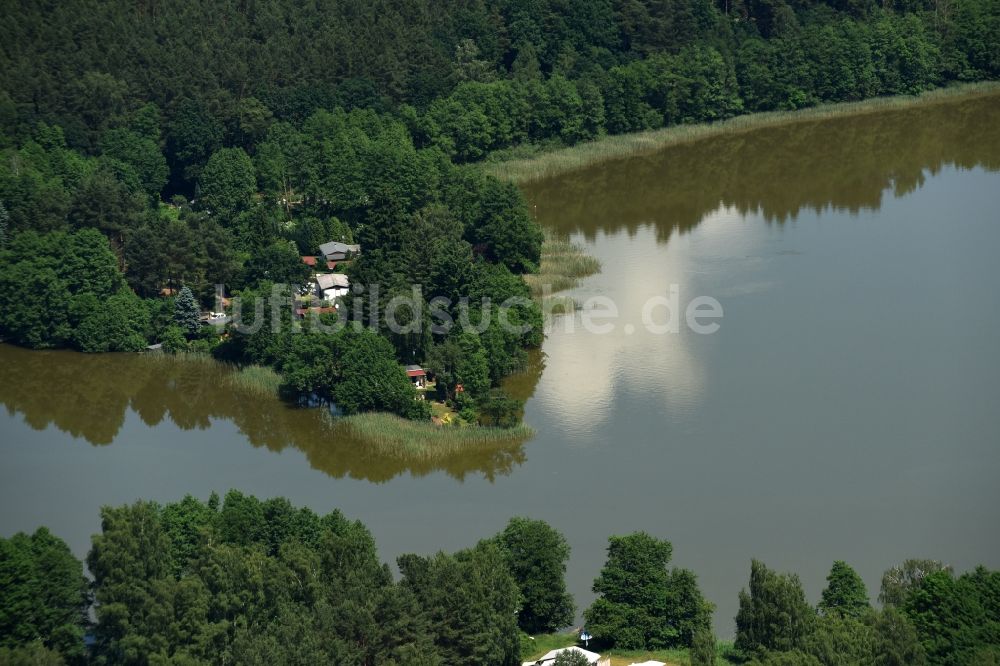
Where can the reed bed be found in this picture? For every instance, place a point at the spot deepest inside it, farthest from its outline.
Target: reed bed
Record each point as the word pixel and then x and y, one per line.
pixel 395 437
pixel 560 305
pixel 563 264
pixel 256 380
pixel 620 146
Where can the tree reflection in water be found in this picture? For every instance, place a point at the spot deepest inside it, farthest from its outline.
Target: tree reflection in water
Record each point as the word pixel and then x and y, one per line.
pixel 88 397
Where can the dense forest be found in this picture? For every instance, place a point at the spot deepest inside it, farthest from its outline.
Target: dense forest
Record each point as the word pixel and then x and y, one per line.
pixel 248 581
pixel 153 150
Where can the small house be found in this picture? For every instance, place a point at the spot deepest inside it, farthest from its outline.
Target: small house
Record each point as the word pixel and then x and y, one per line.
pixel 330 286
pixel 417 375
pixel 337 251
pixel 309 261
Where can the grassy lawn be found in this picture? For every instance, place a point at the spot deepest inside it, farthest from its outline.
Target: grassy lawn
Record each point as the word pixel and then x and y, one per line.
pixel 543 643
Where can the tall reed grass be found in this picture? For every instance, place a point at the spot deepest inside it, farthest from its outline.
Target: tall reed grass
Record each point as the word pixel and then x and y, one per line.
pixel 392 436
pixel 620 146
pixel 563 264
pixel 257 380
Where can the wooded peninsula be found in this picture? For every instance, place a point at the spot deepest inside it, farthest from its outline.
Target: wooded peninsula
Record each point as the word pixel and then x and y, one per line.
pixel 297 154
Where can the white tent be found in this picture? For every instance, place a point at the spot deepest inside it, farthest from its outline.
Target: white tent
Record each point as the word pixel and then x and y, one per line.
pixel 649 663
pixel 549 657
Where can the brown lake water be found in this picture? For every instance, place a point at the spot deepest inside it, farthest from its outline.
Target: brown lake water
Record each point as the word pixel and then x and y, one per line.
pixel 847 407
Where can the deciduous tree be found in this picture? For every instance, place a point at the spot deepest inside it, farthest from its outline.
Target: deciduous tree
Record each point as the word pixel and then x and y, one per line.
pixel 774 614
pixel 537 555
pixel 642 603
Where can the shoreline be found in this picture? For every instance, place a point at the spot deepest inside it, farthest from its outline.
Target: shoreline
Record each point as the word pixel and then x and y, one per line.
pixel 395 437
pixel 563 264
pixel 548 164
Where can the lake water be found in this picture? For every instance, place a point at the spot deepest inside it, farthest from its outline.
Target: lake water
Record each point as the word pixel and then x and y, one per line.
pixel 847 407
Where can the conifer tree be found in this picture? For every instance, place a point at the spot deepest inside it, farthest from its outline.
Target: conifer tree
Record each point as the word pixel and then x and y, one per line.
pixel 186 312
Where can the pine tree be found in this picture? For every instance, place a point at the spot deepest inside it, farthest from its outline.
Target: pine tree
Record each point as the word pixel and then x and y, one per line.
pixel 186 312
pixel 845 592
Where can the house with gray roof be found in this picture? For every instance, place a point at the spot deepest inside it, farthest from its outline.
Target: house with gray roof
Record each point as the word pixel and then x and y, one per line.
pixel 337 251
pixel 330 286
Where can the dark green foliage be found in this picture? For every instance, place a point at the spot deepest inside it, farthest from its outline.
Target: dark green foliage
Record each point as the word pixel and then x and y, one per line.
pixel 44 600
pixel 249 582
pixel 50 284
pixel 500 410
pixel 193 134
pixel 703 648
pixel 244 580
pixel 460 361
pixel 896 641
pixel 839 639
pixel 187 314
pixel 227 183
pixel 537 555
pixel 643 604
pixel 278 263
pixel 899 581
pixel 774 615
pixel 470 600
pixel 4 224
pixel 369 376
pixel 141 154
pixel 32 654
pixel 353 368
pixel 956 618
pixel 570 658
pixel 791 658
pixel 776 626
pixel 109 199
pixel 119 323
pixel 308 125
pixel 845 592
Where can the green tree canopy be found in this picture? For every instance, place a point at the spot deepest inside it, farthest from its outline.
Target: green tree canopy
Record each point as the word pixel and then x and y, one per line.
pixel 845 592
pixel 187 313
pixel 703 650
pixel 47 279
pixel 900 580
pixel 278 263
pixel 370 378
pixel 774 614
pixel 471 601
pixel 642 603
pixel 250 581
pixel 571 658
pixel 45 598
pixel 537 555
pixel 228 183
